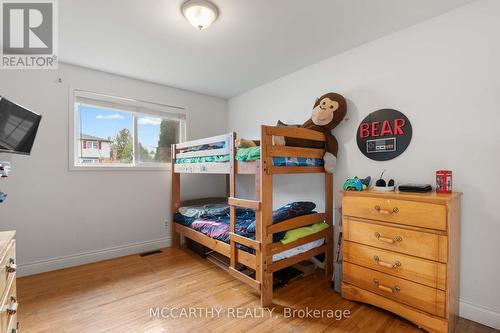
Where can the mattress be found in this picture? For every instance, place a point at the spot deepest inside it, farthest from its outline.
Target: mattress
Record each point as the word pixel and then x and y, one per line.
pixel 298 250
pixel 253 154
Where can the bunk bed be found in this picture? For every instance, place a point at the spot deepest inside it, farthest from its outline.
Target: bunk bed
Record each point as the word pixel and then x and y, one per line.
pixel 218 155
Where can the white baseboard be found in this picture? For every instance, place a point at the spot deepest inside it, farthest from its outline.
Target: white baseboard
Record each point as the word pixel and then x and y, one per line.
pixel 479 314
pixel 35 267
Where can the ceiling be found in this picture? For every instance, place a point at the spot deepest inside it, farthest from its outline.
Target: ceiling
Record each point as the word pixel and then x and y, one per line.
pixel 252 42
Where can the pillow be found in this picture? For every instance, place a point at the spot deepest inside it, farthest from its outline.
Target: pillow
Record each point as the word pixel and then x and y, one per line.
pixel 282 124
pixel 286 212
pixel 244 143
pixel 212 209
pixel 293 235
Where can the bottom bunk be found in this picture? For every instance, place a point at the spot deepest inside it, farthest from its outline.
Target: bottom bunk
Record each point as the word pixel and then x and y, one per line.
pixel 209 225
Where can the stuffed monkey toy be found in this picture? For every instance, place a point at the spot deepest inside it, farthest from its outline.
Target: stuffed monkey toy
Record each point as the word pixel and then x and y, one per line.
pixel 329 111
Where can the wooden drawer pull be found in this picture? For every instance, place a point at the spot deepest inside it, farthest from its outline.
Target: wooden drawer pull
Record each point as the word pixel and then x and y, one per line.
pixel 395 210
pixel 396 264
pixel 385 288
pixel 11 267
pixel 12 309
pixel 388 240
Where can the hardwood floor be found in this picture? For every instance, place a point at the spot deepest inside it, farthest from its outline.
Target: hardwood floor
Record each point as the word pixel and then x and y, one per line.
pixel 117 295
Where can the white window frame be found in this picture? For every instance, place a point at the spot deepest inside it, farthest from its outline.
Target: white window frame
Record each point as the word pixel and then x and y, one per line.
pixel 128 105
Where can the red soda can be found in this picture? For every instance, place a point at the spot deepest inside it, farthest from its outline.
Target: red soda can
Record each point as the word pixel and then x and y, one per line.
pixel 444 181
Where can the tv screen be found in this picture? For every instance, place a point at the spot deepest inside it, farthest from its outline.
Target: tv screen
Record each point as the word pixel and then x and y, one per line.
pixel 18 127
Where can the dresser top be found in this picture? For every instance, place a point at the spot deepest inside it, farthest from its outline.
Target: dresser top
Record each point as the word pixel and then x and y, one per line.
pixel 5 238
pixel 432 197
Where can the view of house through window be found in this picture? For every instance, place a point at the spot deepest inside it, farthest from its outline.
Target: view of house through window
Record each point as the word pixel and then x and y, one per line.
pixel 111 134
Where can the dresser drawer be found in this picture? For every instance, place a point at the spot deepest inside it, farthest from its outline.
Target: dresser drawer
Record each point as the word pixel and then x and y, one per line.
pixel 421 244
pixel 8 313
pixel 421 297
pixel 429 273
pixel 420 214
pixel 8 259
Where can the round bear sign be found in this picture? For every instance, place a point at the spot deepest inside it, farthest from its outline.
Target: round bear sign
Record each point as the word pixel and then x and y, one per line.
pixel 384 134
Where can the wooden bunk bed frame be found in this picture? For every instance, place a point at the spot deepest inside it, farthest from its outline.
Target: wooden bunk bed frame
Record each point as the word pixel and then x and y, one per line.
pixel 263 170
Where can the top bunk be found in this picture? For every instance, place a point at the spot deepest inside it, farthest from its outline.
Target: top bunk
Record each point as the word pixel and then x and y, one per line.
pixel 219 155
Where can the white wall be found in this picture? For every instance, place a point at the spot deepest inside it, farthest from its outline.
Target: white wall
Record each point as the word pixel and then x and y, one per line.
pixel 69 217
pixel 444 74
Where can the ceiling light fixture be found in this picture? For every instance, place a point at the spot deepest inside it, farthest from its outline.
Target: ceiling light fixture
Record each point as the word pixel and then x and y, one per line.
pixel 200 13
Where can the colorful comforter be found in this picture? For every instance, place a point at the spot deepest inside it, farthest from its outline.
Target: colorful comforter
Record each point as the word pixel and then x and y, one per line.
pixel 217 226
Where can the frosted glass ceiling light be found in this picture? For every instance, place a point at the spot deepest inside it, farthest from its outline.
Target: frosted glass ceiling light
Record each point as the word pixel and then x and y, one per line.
pixel 200 13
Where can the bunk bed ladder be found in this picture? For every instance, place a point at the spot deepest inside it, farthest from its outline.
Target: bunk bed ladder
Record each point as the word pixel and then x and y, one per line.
pixel 234 238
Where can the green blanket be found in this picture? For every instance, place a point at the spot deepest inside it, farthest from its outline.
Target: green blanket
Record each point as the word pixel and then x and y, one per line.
pixel 248 154
pixel 242 154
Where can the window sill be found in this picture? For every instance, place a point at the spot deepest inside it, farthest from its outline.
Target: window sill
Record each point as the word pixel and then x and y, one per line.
pixel 162 167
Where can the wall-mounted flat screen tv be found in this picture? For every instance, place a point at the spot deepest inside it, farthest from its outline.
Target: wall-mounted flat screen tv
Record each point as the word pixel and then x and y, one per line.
pixel 18 127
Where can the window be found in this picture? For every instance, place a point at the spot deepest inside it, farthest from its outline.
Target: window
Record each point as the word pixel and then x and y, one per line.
pixel 91 144
pixel 118 132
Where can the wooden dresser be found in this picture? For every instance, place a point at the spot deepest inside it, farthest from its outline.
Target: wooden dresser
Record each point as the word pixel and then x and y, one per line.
pixel 8 298
pixel 401 252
